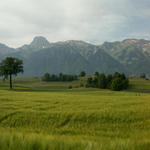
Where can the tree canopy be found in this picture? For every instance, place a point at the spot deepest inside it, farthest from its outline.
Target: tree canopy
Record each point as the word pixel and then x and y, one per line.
pixel 116 82
pixel 61 77
pixel 82 74
pixel 11 66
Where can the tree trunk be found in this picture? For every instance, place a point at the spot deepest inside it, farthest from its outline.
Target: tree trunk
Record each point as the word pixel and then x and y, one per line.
pixel 10 81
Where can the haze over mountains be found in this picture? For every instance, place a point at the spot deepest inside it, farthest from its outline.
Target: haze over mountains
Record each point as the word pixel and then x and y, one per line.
pixel 130 56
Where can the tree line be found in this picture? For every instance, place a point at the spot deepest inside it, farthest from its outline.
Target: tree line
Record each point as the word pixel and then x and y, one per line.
pixel 61 77
pixel 11 66
pixel 116 82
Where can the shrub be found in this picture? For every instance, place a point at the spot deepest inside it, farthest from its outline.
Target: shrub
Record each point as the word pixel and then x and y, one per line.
pixel 82 74
pixel 70 87
pixel 143 76
pixel 46 77
pixel 81 85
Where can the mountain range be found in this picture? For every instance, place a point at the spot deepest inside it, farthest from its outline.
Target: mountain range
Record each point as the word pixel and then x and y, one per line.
pixel 131 56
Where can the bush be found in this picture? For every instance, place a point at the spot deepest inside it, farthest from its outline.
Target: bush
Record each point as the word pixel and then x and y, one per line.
pixel 81 85
pixel 143 76
pixel 70 87
pixel 89 82
pixel 82 74
pixel 46 77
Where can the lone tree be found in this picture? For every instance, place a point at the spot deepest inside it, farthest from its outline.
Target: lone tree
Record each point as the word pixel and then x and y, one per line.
pixel 11 66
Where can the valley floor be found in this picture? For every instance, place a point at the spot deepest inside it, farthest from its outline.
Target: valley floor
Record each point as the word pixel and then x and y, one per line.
pixel 49 116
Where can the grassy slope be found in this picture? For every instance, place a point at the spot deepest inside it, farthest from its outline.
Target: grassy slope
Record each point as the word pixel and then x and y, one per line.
pixel 49 116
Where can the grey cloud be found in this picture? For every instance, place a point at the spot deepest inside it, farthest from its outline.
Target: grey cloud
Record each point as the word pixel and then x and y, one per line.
pixel 90 20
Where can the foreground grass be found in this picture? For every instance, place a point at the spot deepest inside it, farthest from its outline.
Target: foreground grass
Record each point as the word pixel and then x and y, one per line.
pixel 32 118
pixel 17 141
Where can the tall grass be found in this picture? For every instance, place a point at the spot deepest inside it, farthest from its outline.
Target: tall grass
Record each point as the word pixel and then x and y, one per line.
pixel 32 118
pixel 18 141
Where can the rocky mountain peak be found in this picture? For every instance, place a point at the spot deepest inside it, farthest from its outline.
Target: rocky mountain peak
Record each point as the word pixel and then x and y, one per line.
pixel 40 42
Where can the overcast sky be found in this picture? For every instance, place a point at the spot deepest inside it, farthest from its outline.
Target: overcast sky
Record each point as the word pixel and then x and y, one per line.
pixel 94 21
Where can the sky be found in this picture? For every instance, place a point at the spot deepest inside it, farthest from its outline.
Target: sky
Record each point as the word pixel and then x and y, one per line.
pixel 94 21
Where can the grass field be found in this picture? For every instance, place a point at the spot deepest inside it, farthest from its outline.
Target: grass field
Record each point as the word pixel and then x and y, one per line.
pixel 49 116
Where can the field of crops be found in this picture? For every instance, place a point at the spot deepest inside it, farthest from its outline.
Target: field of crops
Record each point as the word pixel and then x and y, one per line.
pixel 50 116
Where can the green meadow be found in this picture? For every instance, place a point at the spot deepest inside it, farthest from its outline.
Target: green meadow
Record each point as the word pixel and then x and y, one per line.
pixel 36 115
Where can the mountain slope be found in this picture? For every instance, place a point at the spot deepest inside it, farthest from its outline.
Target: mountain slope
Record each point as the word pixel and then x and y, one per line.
pixel 4 50
pixel 56 60
pixel 70 57
pixel 102 62
pixel 130 56
pixel 132 53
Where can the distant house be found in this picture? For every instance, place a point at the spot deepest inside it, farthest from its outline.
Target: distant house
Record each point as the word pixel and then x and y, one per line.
pixel 132 76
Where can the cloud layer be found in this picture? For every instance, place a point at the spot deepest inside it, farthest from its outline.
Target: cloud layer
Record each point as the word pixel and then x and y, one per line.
pixel 95 21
